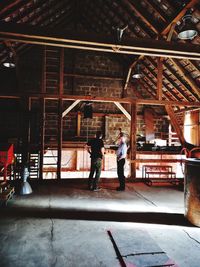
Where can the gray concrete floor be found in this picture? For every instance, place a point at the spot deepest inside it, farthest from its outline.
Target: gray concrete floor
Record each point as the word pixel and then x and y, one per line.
pixel 63 224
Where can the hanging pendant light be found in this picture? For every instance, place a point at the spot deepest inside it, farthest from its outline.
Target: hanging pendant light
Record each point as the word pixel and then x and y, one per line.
pixel 88 110
pixel 137 74
pixel 187 29
pixel 10 62
pixel 119 32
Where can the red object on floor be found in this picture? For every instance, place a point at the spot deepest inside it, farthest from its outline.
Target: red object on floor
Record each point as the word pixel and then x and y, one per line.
pixel 6 157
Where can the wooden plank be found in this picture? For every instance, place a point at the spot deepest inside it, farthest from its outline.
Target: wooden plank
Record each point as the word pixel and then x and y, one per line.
pixel 137 249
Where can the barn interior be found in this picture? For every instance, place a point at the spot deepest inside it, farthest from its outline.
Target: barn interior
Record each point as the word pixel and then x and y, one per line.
pixel 69 69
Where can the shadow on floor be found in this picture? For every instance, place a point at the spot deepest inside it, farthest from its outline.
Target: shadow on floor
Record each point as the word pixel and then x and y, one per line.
pixel 80 214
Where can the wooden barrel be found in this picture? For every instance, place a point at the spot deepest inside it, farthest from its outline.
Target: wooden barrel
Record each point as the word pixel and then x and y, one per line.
pixel 192 191
pixel 192 127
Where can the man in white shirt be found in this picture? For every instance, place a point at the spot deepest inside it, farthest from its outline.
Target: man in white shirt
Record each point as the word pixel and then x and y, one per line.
pixel 121 158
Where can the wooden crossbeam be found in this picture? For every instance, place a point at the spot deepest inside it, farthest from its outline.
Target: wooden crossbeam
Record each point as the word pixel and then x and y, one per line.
pixel 123 110
pixel 106 99
pixel 139 46
pixel 70 107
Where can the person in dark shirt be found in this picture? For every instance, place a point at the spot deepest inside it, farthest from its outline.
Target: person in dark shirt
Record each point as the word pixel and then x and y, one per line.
pixel 96 149
pixel 121 158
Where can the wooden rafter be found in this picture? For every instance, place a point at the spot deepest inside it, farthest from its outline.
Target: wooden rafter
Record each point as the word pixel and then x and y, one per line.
pixel 165 76
pixel 140 13
pixel 178 16
pixel 159 77
pixel 9 5
pixel 186 77
pixel 181 92
pixel 155 95
pixel 169 28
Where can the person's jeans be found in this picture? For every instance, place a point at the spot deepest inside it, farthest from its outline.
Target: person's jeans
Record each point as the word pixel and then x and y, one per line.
pixel 94 169
pixel 120 173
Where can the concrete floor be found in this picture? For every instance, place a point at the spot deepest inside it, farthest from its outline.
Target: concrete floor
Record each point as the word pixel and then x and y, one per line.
pixel 63 224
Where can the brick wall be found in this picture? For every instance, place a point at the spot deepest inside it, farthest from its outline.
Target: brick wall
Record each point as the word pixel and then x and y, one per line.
pixel 84 63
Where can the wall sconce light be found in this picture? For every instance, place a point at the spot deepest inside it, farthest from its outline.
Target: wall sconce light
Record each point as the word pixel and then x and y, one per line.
pixel 187 29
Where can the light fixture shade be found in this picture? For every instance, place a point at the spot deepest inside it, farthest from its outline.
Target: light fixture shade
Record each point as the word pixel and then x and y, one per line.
pixel 137 74
pixel 119 34
pixel 187 28
pixel 9 64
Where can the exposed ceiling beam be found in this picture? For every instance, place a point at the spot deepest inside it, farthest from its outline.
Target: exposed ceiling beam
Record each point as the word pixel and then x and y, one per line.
pixel 165 102
pixel 105 99
pixel 140 13
pixel 9 5
pixel 42 36
pixel 169 28
pixel 77 75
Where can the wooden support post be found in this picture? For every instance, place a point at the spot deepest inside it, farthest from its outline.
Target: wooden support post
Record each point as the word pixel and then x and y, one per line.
pixel 42 116
pixel 42 132
pixel 159 78
pixel 78 120
pixel 104 127
pixel 60 131
pixel 133 140
pixel 60 113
